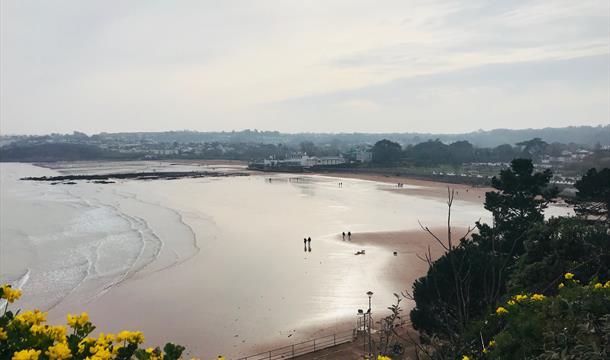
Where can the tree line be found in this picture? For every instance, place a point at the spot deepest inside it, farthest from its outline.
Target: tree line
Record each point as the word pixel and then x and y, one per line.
pixel 525 286
pixel 436 152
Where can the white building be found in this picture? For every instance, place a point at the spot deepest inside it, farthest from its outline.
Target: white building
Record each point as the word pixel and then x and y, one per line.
pixel 309 161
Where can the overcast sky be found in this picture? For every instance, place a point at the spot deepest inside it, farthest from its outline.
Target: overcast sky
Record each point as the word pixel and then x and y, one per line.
pixel 323 66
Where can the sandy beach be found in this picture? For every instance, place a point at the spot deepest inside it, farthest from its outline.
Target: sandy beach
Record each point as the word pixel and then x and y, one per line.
pixel 411 248
pixel 422 187
pixel 218 261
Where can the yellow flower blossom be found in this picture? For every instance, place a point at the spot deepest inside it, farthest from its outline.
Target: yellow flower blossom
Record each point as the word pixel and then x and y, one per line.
pixel 383 357
pixel 607 285
pixel 568 276
pixel 105 339
pixel 464 357
pixel 59 351
pixel 538 297
pixel 560 286
pixel 100 353
pixel 78 320
pixel 29 354
pixel 511 302
pixel 9 293
pixel 3 335
pixel 598 286
pixel 29 317
pixel 501 311
pixel 57 333
pixel 133 337
pixel 158 357
pixel 520 298
pixel 85 342
pixel 116 348
pixel 492 343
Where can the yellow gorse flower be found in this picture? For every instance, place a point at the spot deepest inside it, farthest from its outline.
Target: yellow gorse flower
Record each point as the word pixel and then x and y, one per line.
pixel 492 343
pixel 3 335
pixel 511 302
pixel 598 286
pixel 538 297
pixel 100 353
pixel 465 357
pixel 607 285
pixel 560 286
pixel 29 317
pixel 9 293
pixel 501 311
pixel 383 357
pixel 78 320
pixel 57 333
pixel 520 298
pixel 28 354
pixel 116 348
pixel 59 351
pixel 85 342
pixel 105 339
pixel 132 337
pixel 568 276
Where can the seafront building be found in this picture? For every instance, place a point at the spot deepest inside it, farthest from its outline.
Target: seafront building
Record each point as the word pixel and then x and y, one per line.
pixel 297 163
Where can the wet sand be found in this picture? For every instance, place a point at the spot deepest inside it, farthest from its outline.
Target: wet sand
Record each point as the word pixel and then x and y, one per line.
pixel 422 187
pixel 411 247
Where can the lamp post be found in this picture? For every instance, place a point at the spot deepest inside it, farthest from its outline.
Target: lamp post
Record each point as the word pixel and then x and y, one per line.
pixel 370 295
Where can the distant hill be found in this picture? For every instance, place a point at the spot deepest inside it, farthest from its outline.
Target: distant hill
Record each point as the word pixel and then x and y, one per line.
pixel 582 135
pixel 254 144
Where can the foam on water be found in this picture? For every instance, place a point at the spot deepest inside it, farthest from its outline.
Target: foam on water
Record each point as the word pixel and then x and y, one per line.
pixel 73 242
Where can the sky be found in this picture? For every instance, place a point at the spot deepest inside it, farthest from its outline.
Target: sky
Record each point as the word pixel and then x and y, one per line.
pixel 303 66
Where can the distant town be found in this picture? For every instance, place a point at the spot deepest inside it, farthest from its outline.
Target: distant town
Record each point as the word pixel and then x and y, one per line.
pixel 467 158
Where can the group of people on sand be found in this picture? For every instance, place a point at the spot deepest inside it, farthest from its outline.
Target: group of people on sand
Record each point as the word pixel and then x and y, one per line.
pixel 400 185
pixel 349 235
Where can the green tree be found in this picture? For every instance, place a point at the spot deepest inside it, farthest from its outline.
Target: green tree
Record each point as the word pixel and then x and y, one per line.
pixel 386 152
pixel 560 245
pixel 309 148
pixel 521 197
pixel 593 196
pixel 461 152
pixel 533 149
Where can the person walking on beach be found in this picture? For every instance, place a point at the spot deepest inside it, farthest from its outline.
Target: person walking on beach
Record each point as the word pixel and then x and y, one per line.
pixel 349 235
pixel 344 236
pixel 309 241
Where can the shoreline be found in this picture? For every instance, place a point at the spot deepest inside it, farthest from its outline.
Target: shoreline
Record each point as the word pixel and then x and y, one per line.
pixel 427 188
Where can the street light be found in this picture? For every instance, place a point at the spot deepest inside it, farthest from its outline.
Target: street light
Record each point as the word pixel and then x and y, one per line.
pixel 370 295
